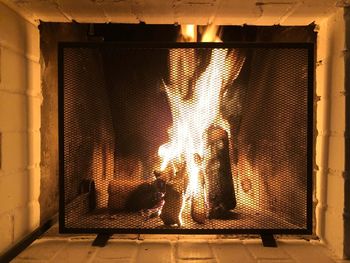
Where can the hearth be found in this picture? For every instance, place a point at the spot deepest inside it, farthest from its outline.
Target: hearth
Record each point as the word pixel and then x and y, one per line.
pixel 186 137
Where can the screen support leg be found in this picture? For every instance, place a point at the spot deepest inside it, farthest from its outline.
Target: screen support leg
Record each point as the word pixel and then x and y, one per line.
pixel 101 240
pixel 268 240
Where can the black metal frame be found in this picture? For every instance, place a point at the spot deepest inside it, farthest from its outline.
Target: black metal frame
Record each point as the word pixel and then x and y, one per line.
pixel 310 136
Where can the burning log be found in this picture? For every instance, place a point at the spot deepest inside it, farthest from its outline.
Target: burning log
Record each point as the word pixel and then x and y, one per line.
pixel 176 182
pixel 137 196
pixel 198 208
pixel 221 195
pixel 118 192
pixel 172 206
pixel 198 205
pixel 147 196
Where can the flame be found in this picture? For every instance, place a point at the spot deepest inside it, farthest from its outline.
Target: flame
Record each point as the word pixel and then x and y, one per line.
pixel 211 34
pixel 193 115
pixel 189 33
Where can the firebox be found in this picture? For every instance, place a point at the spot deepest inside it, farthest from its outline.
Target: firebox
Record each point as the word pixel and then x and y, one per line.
pixel 186 137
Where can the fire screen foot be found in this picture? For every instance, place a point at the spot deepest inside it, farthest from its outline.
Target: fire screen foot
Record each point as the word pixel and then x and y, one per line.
pixel 268 240
pixel 101 240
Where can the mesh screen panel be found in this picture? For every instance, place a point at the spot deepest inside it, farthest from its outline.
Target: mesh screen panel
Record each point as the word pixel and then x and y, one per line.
pixel 185 138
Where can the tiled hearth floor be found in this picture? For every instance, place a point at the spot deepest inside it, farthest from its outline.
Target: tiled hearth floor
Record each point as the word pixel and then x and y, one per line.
pixel 53 247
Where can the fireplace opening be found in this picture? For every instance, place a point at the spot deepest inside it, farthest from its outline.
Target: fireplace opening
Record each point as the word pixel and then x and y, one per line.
pixel 186 137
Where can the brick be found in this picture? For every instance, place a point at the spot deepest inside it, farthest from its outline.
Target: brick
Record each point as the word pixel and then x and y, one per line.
pixel 34 183
pixel 6 230
pixel 158 12
pixel 189 13
pixel 231 252
pixel 304 252
pixel 337 113
pixel 193 250
pixel 237 13
pixel 336 152
pixel 34 79
pixel 33 215
pixel 34 148
pixel 272 14
pixel 322 44
pixel 322 118
pixel 335 197
pixel 336 76
pixel 13 191
pixel 26 218
pixel 118 250
pixel 336 31
pixel 119 12
pixel 197 237
pixel 158 236
pixel 91 13
pixel 18 73
pixel 320 151
pixel 75 252
pixel 42 249
pixel 13 111
pixel 13 69
pixel 333 235
pixel 321 76
pixel 154 251
pixel 44 10
pixel 125 236
pixel 18 33
pixel 308 11
pixel 260 252
pixel 14 152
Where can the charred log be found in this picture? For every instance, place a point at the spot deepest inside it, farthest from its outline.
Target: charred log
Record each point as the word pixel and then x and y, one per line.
pixel 119 192
pixel 172 206
pixel 220 189
pixel 136 196
pixel 145 196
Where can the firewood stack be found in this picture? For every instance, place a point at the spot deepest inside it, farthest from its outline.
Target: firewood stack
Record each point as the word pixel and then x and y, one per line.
pixel 218 175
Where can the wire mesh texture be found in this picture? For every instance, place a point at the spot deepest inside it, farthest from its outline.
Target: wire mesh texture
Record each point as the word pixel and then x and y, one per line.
pixel 185 138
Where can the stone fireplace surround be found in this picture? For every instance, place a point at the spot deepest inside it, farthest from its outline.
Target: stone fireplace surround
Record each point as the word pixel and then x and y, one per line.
pixel 28 131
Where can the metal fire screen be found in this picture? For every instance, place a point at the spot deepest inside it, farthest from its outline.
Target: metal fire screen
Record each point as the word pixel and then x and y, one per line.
pixel 186 138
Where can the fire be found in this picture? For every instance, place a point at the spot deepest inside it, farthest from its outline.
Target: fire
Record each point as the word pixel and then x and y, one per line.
pixel 193 111
pixel 189 33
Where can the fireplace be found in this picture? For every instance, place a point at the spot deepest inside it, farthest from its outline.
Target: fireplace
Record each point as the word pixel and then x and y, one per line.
pixel 28 86
pixel 186 137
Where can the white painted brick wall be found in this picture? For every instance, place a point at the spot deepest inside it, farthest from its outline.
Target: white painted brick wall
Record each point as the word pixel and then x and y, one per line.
pixel 223 12
pixel 20 102
pixel 330 155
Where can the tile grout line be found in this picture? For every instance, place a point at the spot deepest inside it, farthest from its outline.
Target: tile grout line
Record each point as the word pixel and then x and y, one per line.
pixel 173 251
pixel 138 245
pixel 58 251
pixel 248 251
pixel 96 249
pixel 290 255
pixel 210 242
